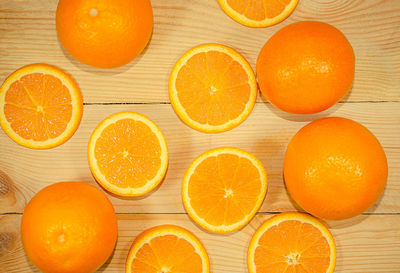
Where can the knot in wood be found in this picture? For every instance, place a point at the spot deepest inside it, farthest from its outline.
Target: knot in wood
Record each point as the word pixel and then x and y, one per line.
pixel 5 183
pixel 7 242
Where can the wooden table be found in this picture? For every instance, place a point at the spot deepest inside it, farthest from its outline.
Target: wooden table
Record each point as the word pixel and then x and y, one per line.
pixel 366 243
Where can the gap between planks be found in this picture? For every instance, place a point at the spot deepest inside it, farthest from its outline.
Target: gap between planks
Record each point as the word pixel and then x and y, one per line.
pixel 185 213
pixel 257 102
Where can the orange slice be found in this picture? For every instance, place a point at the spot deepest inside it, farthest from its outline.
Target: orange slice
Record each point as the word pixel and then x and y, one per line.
pixel 169 249
pixel 258 13
pixel 40 106
pixel 224 188
pixel 292 242
pixel 212 88
pixel 128 154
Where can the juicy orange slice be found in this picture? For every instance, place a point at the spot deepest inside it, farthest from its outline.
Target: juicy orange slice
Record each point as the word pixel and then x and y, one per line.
pixel 169 249
pixel 40 106
pixel 212 88
pixel 292 242
pixel 258 13
pixel 224 188
pixel 128 154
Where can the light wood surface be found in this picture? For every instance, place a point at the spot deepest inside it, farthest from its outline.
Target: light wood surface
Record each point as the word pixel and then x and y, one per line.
pixel 265 134
pixel 28 35
pixel 364 243
pixel 367 243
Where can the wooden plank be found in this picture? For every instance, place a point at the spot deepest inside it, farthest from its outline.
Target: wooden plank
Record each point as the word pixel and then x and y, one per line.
pixel 28 35
pixel 364 243
pixel 265 134
pixel 367 243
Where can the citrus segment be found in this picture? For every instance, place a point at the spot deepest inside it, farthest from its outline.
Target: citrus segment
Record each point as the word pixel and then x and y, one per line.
pixel 291 242
pixel 335 168
pixel 41 106
pixel 128 154
pixel 223 189
pixel 212 88
pixel 167 248
pixel 258 13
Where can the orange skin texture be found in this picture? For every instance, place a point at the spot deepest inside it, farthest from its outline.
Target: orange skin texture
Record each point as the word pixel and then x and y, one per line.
pixel 306 67
pixel 69 227
pixel 114 37
pixel 335 168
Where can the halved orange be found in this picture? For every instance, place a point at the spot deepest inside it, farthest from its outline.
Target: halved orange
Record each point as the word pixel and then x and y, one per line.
pixel 212 88
pixel 40 106
pixel 224 188
pixel 128 154
pixel 292 242
pixel 167 248
pixel 258 13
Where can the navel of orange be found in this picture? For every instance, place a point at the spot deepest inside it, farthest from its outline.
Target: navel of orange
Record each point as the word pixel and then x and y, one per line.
pixel 69 227
pixel 104 33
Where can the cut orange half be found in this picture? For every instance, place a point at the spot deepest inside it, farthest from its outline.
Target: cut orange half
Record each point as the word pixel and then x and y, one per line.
pixel 258 13
pixel 212 88
pixel 224 188
pixel 292 242
pixel 40 106
pixel 128 154
pixel 169 249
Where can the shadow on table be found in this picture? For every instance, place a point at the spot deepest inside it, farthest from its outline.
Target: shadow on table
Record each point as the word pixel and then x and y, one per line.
pixel 104 267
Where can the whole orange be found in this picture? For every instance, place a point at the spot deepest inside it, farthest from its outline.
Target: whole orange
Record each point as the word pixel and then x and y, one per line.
pixel 69 227
pixel 306 67
pixel 335 168
pixel 104 33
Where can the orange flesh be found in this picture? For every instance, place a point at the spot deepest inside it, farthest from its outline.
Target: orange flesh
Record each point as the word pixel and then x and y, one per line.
pixel 128 153
pixel 258 9
pixel 292 246
pixel 213 88
pixel 38 107
pixel 167 253
pixel 224 189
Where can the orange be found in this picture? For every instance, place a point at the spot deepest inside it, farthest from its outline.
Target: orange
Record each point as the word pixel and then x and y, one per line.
pixel 167 248
pixel 223 189
pixel 306 67
pixel 212 88
pixel 335 168
pixel 69 227
pixel 40 106
pixel 128 154
pixel 292 242
pixel 104 33
pixel 258 13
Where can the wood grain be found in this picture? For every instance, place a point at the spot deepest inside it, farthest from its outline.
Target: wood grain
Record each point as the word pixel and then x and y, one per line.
pixel 265 134
pixel 364 243
pixel 367 243
pixel 28 35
